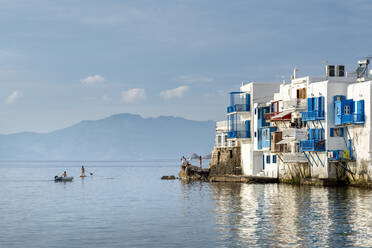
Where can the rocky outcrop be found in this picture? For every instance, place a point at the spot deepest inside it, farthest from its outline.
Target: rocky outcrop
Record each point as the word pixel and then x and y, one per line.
pixel 193 173
pixel 225 161
pixel 168 177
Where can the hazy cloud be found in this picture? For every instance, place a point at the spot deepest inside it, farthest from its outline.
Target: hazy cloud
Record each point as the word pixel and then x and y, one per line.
pixel 196 79
pixel 92 80
pixel 12 98
pixel 174 93
pixel 106 98
pixel 133 95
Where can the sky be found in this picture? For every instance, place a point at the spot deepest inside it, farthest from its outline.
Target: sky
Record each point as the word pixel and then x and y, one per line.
pixel 70 60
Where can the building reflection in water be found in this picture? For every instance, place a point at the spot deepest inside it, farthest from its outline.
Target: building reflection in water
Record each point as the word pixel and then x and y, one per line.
pixel 256 215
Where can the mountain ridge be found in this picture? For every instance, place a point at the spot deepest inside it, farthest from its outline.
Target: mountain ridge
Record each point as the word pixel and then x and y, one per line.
pixel 117 137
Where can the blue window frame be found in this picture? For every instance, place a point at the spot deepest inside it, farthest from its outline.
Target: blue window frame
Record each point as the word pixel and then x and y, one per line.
pixel 274 159
pixel 268 159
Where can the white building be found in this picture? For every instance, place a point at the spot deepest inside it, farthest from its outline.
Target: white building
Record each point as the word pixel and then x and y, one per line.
pixel 317 127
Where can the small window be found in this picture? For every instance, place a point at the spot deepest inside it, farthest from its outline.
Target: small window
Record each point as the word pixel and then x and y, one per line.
pixel 255 111
pixel 268 159
pixel 347 110
pixel 255 134
pixel 274 159
pixel 337 132
pixel 230 153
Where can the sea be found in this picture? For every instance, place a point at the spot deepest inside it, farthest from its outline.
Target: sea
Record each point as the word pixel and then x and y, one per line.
pixel 125 204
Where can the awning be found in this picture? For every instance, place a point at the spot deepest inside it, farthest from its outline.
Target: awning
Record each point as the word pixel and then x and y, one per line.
pixel 286 141
pixel 282 116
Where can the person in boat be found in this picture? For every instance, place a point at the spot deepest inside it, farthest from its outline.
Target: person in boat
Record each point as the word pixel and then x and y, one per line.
pixel 64 174
pixel 82 170
pixel 201 161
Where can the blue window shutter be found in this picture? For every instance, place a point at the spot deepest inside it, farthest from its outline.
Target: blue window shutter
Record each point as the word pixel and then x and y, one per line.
pixel 321 103
pixel 331 132
pixel 263 161
pixel 342 132
pixel 268 159
pixel 310 104
pixel 360 107
pixel 248 128
pixel 316 103
pixel 248 101
pixel 274 159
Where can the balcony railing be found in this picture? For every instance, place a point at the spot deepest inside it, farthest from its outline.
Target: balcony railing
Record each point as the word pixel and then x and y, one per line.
pixel 239 135
pixel 355 118
pixel 297 157
pixel 221 125
pixel 279 148
pixel 294 133
pixel 313 115
pixel 339 155
pixel 238 108
pixel 312 145
pixel 297 104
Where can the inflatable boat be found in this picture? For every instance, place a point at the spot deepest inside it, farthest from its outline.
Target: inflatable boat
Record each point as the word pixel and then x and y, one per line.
pixel 63 179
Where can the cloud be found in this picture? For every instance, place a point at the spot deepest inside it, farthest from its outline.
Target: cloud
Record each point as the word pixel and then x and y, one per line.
pixel 133 95
pixel 174 93
pixel 92 80
pixel 106 98
pixel 196 79
pixel 12 98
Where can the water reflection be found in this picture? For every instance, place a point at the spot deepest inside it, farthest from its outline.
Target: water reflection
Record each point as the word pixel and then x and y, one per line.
pixel 254 215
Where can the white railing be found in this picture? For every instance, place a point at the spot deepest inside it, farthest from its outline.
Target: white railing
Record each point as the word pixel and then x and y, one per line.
pixel 295 133
pixel 221 125
pixel 297 104
pixel 297 157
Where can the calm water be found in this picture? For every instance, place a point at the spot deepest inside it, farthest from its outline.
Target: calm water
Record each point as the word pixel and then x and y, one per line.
pixel 125 204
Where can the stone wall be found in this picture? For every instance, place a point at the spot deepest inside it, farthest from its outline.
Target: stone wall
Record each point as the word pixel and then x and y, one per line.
pixel 294 172
pixel 361 173
pixel 225 161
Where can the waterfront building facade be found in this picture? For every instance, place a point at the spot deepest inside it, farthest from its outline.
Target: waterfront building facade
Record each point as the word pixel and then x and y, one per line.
pixel 310 127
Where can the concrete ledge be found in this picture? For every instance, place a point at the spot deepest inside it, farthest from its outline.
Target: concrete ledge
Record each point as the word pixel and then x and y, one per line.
pixel 243 179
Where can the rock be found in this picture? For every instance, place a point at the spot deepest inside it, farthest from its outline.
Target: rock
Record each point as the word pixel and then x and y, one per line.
pixel 193 173
pixel 168 177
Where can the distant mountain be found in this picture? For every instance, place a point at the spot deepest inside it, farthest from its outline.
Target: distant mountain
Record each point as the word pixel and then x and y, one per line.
pixel 118 137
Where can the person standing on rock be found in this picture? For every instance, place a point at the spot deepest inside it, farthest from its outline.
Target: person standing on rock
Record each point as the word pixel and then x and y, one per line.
pixel 201 161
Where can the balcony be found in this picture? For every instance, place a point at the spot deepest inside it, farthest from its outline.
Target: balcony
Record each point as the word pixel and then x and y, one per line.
pixel 238 108
pixel 313 115
pixel 294 133
pixel 295 104
pixel 312 145
pixel 345 119
pixel 297 157
pixel 339 155
pixel 221 126
pixel 239 135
